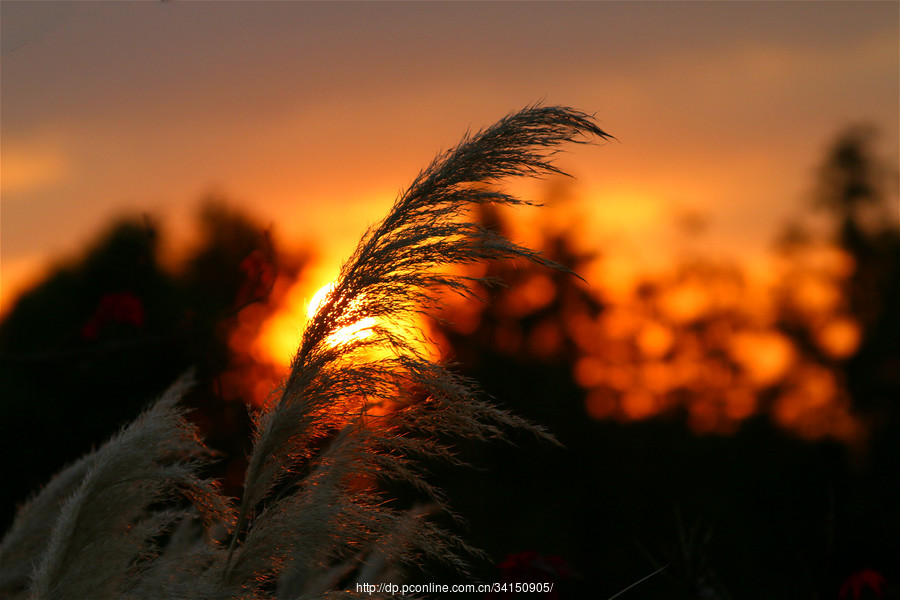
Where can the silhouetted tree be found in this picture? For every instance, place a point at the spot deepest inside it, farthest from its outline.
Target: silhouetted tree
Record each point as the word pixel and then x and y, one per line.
pixel 785 512
pixel 85 349
pixel 855 188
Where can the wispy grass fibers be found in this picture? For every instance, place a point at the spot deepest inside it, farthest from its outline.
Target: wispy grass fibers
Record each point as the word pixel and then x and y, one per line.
pixel 356 410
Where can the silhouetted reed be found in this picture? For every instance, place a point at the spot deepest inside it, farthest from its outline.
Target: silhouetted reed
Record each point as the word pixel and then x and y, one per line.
pixel 363 404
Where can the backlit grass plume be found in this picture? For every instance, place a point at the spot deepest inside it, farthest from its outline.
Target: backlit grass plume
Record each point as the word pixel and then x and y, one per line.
pixel 362 405
pixel 92 532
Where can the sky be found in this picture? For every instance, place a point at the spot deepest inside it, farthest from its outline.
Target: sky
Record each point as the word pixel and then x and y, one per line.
pixel 313 116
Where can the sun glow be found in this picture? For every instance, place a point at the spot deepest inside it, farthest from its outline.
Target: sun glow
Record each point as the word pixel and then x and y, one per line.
pixel 280 334
pixel 318 299
pixel 360 330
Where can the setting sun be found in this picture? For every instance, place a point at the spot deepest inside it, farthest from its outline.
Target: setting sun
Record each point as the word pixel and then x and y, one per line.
pixel 360 330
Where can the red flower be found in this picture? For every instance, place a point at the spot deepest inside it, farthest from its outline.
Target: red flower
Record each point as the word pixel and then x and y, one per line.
pixel 118 307
pixel 865 579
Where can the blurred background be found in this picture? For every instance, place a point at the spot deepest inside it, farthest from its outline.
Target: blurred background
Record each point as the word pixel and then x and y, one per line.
pixel 179 179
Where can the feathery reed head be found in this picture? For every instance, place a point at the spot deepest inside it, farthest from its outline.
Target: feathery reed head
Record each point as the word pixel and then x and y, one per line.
pixel 398 270
pixel 362 405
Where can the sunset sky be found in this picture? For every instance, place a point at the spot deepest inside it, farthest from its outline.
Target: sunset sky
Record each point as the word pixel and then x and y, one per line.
pixel 314 115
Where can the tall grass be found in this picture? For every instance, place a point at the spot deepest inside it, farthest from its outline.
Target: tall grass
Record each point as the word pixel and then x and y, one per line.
pixel 134 519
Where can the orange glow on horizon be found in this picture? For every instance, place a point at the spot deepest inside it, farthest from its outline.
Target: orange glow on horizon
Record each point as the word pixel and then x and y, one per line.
pixel 702 341
pixel 707 340
pixel 699 170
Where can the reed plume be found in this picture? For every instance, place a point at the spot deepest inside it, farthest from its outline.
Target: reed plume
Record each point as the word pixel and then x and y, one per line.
pixel 90 532
pixel 363 404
